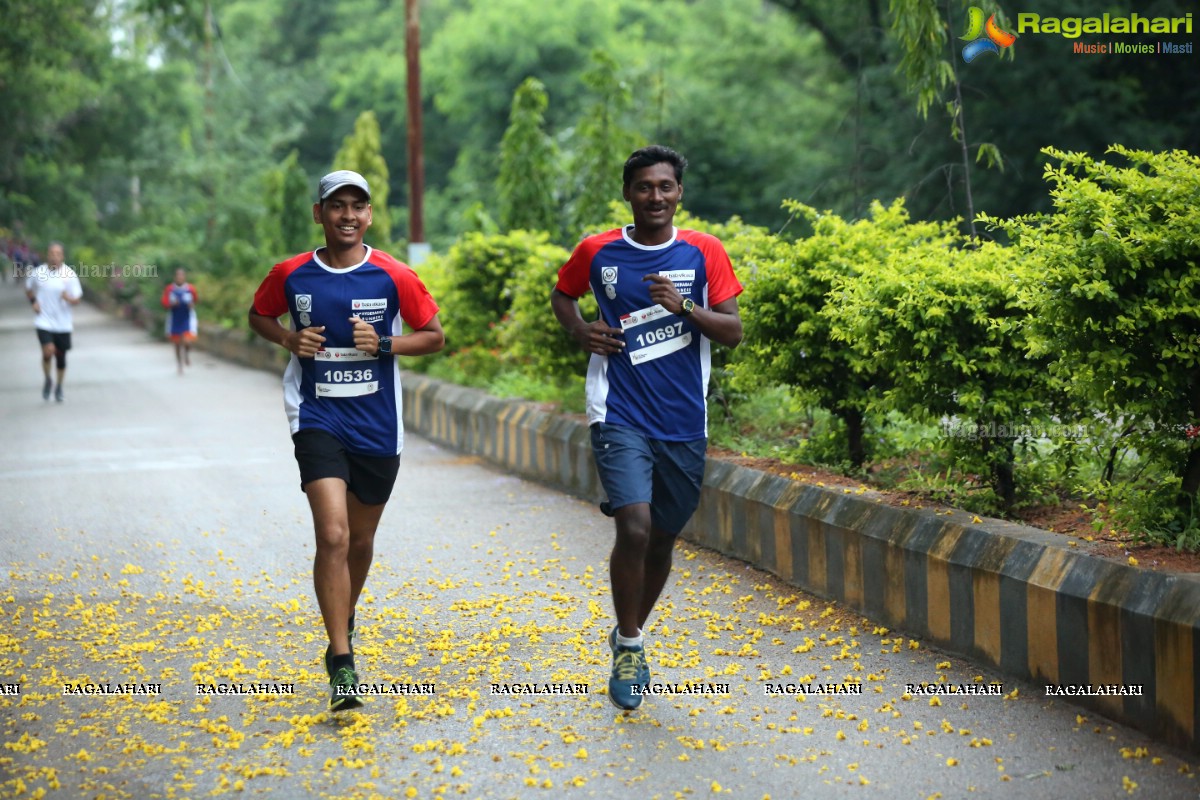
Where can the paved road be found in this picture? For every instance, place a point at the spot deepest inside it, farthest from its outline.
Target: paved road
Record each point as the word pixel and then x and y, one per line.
pixel 153 534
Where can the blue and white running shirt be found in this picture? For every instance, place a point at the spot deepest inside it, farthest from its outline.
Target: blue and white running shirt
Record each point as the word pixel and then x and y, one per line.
pixel 659 382
pixel 343 391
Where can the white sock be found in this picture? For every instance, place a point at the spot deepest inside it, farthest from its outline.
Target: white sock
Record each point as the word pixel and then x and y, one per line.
pixel 623 641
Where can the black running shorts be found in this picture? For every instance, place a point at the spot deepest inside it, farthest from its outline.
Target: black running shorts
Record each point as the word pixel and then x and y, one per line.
pixel 61 341
pixel 321 455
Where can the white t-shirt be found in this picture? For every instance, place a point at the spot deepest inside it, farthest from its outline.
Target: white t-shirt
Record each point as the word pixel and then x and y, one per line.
pixel 48 286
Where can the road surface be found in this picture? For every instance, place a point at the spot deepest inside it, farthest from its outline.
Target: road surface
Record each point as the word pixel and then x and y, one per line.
pixel 154 540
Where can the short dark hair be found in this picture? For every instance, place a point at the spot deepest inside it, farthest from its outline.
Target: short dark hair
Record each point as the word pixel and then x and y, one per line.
pixel 651 155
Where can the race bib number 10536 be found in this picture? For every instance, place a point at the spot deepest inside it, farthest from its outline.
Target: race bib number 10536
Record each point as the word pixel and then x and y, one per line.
pixel 345 372
pixel 652 333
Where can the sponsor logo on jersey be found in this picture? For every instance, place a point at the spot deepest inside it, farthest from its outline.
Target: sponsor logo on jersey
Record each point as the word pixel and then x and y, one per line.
pixel 679 275
pixel 682 278
pixel 304 302
pixel 608 275
pixel 377 304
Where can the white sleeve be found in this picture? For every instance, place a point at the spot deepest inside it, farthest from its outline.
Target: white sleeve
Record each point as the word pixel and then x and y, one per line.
pixel 76 288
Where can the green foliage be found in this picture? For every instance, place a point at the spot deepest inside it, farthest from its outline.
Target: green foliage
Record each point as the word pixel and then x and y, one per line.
pixel 787 338
pixel 602 144
pixel 1117 300
pixel 1116 309
pixel 769 423
pixel 919 27
pixel 533 341
pixel 942 322
pixel 362 152
pixel 1151 510
pixel 528 180
pixel 286 227
pixel 1116 312
pixel 566 394
pixel 473 365
pixel 180 134
pixel 473 282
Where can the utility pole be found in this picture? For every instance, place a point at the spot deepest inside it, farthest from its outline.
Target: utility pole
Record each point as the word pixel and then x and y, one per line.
pixel 418 249
pixel 208 183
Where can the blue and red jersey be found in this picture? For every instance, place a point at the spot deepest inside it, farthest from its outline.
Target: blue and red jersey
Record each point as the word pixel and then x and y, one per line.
pixel 352 395
pixel 659 382
pixel 181 315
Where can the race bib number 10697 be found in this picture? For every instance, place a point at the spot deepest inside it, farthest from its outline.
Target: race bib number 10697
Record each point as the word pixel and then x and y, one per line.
pixel 652 333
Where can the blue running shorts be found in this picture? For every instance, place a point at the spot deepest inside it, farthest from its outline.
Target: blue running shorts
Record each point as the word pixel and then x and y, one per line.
pixel 634 469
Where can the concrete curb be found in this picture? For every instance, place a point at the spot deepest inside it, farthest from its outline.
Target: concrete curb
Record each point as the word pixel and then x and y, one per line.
pixel 1006 595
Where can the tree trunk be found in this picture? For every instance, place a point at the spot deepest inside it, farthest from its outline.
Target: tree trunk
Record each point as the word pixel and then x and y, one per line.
pixel 854 434
pixel 1191 468
pixel 1002 459
pixel 1191 472
pixel 960 122
pixel 1004 478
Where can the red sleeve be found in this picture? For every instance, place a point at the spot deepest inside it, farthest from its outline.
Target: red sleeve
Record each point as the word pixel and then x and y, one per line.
pixel 574 278
pixel 417 306
pixel 722 282
pixel 166 298
pixel 195 296
pixel 270 300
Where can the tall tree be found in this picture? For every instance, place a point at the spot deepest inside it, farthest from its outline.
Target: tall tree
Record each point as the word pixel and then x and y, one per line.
pixel 285 226
pixel 362 151
pixel 528 180
pixel 921 31
pixel 602 143
pixel 54 61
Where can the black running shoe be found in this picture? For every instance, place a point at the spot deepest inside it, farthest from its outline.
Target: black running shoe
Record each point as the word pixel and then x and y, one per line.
pixel 344 695
pixel 329 649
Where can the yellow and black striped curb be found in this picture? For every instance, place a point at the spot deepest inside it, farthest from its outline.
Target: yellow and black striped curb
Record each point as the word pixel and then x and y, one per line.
pixel 1005 595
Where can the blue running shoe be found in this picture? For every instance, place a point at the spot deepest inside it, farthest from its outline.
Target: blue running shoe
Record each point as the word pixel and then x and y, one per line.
pixel 623 685
pixel 644 677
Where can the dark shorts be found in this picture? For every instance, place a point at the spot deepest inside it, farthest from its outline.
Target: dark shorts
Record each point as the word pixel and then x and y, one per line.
pixel 61 341
pixel 321 455
pixel 634 468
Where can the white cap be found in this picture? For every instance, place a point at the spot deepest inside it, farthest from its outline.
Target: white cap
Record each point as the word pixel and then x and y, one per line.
pixel 342 177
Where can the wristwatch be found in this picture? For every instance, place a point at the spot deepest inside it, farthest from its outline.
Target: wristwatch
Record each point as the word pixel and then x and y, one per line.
pixel 686 307
pixel 385 346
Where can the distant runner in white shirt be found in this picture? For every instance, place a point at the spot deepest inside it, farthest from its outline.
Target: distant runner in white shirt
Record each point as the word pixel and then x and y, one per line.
pixel 52 289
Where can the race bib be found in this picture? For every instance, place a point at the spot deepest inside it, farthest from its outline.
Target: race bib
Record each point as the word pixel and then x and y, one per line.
pixel 346 372
pixel 653 333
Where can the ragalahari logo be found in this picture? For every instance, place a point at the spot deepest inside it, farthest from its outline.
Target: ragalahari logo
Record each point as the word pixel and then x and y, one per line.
pixel 983 37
